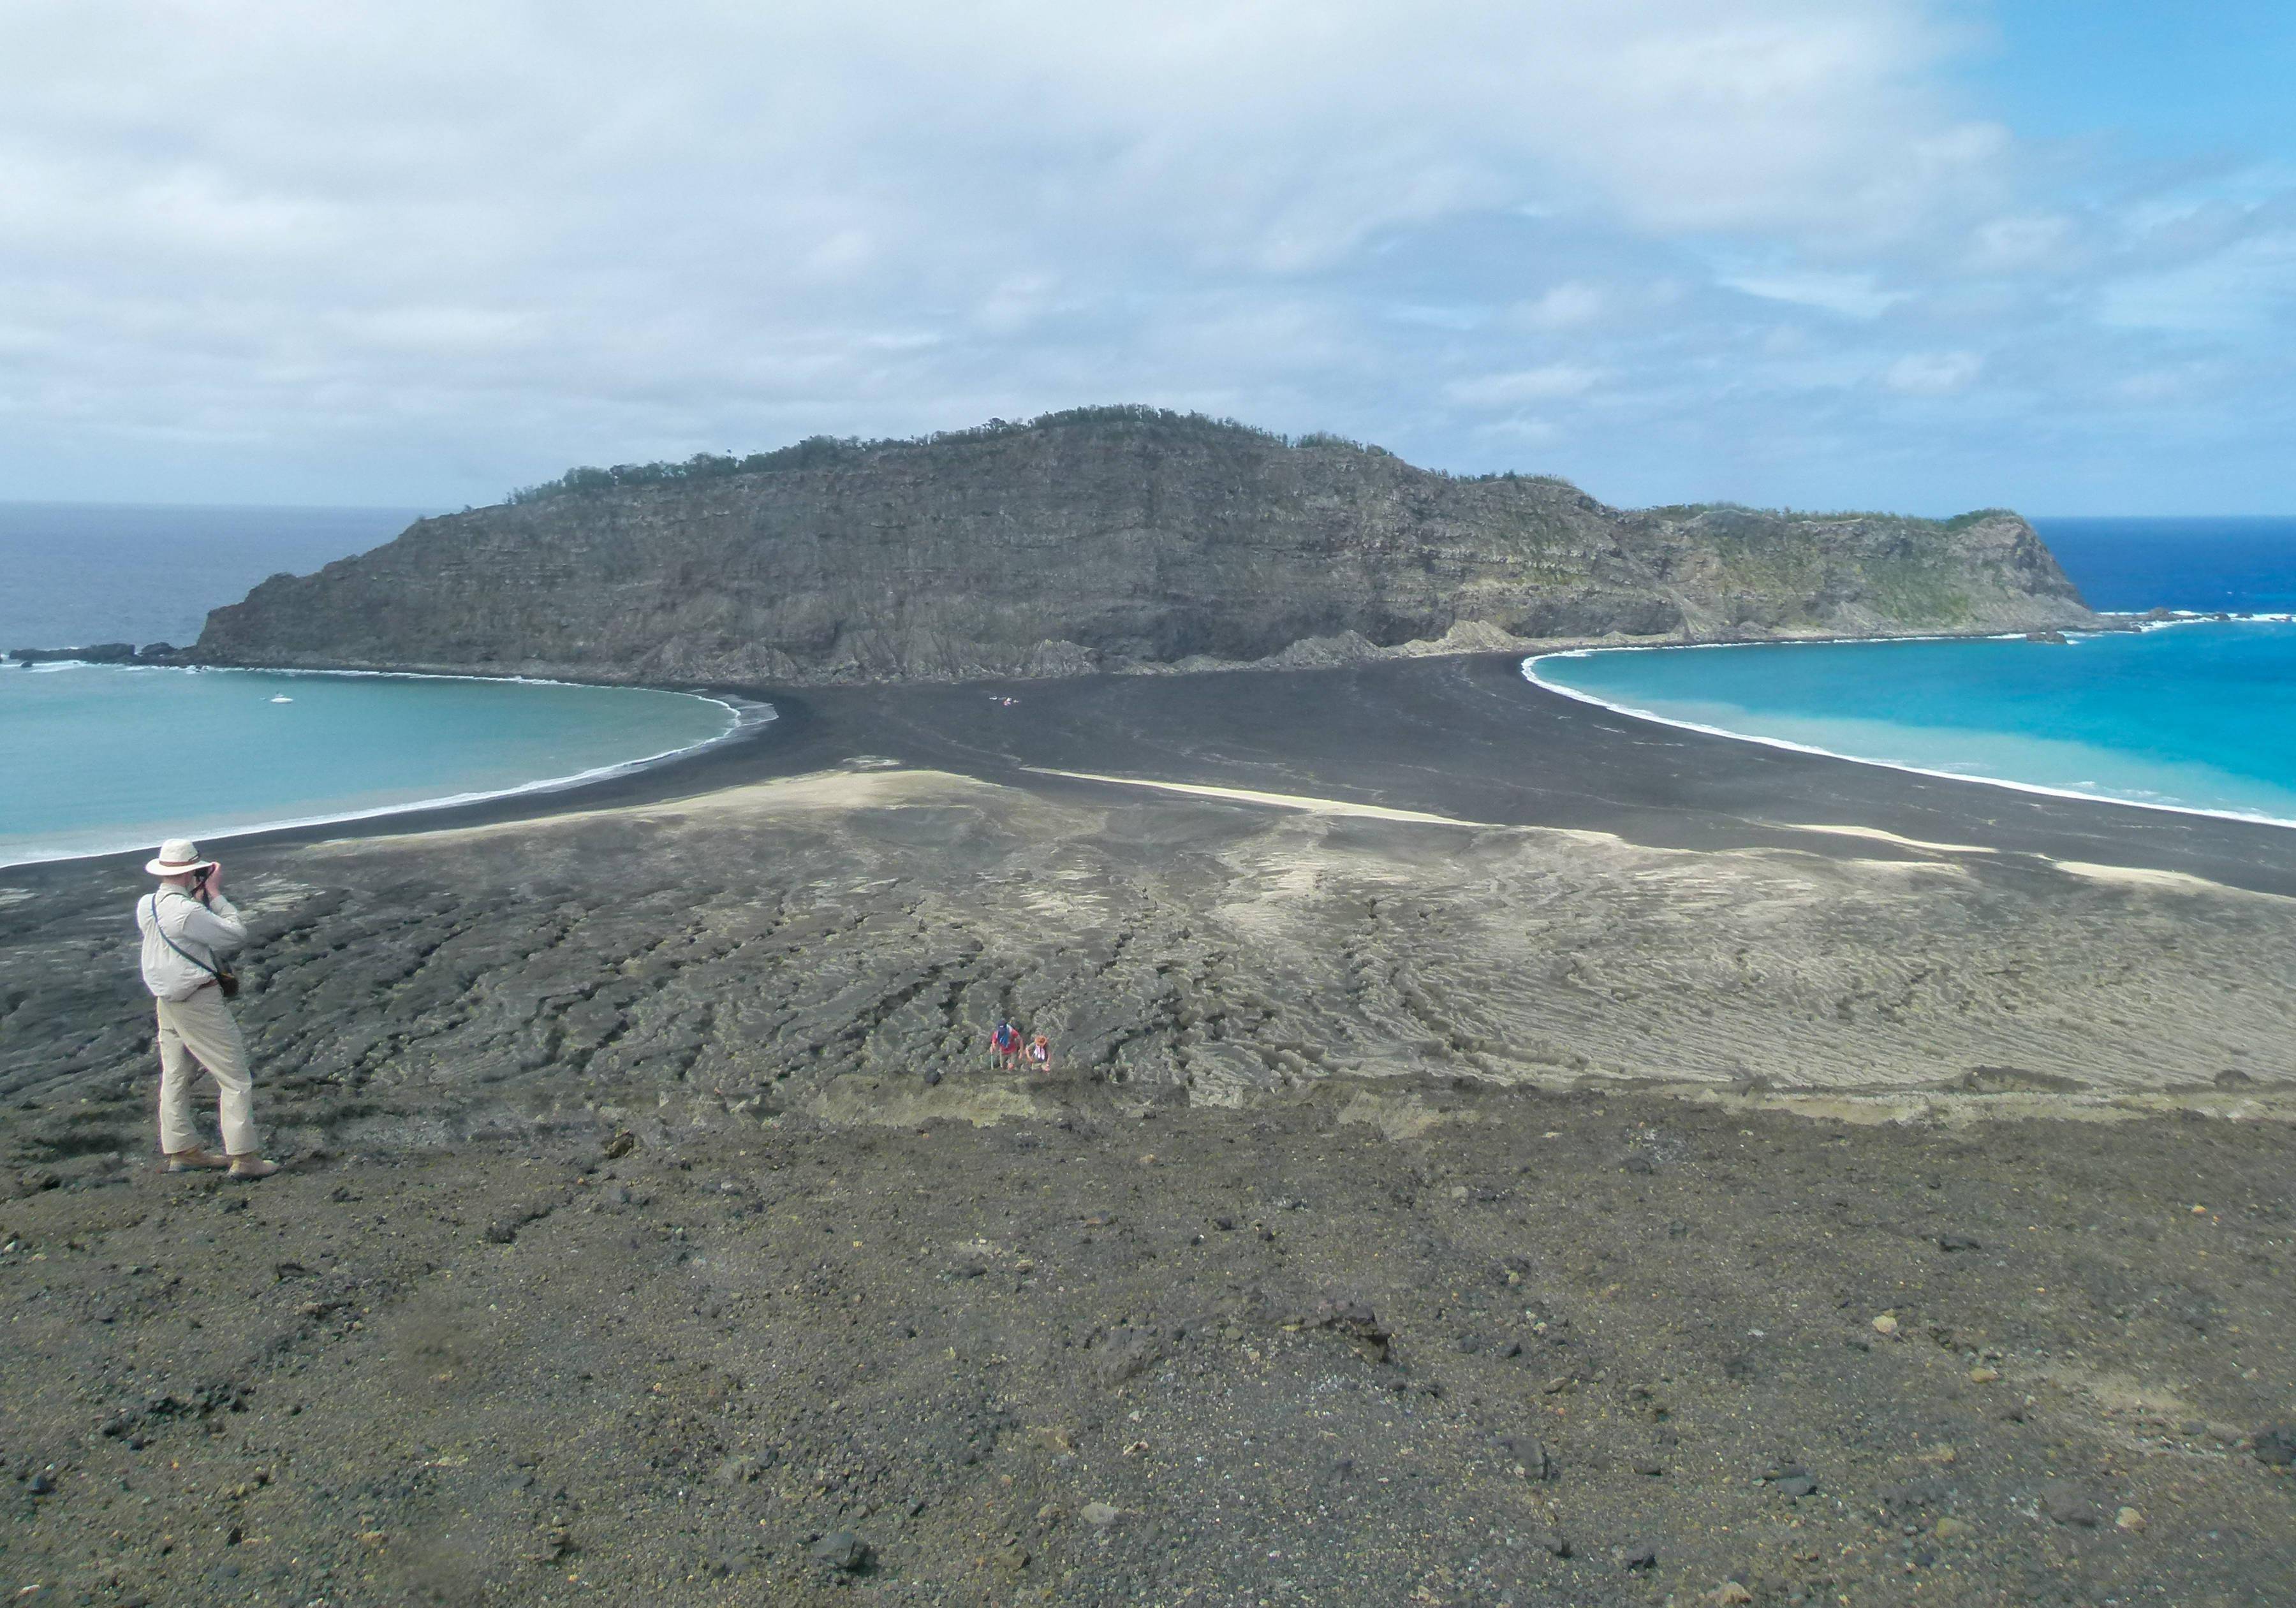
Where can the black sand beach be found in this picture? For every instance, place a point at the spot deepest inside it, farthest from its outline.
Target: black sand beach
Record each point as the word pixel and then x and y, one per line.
pixel 1466 737
pixel 1470 738
pixel 1471 1171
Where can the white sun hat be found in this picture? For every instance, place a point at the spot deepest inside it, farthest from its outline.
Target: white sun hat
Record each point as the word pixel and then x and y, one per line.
pixel 177 856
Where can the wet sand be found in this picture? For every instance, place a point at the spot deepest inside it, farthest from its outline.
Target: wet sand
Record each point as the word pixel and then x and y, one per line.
pixel 1560 1050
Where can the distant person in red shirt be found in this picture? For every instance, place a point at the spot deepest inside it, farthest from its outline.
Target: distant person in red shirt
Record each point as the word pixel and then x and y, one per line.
pixel 1003 1044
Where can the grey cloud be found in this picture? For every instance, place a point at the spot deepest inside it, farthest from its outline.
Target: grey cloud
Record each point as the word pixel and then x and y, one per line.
pixel 415 251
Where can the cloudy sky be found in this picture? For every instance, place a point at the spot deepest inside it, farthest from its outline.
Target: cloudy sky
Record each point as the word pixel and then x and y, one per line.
pixel 1922 254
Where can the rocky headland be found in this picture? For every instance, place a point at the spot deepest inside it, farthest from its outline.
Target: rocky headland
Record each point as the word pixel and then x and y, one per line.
pixel 1107 539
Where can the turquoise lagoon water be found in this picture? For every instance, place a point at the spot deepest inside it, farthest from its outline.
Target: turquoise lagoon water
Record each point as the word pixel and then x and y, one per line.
pixel 2192 716
pixel 94 759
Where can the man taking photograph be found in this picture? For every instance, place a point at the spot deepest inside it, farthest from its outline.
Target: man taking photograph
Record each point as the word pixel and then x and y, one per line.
pixel 188 926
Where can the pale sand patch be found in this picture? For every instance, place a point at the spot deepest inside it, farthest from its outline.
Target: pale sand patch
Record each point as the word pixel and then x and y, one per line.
pixel 871 789
pixel 2144 877
pixel 1879 836
pixel 1904 867
pixel 2173 882
pixel 272 894
pixel 816 791
pixel 1406 1118
pixel 2105 1402
pixel 1282 801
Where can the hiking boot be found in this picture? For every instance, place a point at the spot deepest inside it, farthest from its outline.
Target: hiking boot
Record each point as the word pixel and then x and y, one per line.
pixel 194 1159
pixel 252 1165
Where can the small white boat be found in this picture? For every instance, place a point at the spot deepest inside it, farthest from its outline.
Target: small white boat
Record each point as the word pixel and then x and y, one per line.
pixel 283 698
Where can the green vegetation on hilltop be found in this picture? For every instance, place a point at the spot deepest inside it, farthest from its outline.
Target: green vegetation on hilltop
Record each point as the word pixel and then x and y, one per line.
pixel 818 451
pixel 1957 522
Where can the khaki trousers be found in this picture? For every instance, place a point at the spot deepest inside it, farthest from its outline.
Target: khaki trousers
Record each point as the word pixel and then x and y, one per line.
pixel 201 1029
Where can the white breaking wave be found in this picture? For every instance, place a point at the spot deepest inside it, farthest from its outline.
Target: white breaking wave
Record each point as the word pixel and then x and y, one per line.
pixel 1531 673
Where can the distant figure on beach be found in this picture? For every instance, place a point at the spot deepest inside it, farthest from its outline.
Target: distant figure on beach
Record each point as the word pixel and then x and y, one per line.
pixel 1040 1054
pixel 1003 1044
pixel 188 926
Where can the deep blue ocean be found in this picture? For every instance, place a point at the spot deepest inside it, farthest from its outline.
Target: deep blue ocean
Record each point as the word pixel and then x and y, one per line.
pixel 99 758
pixel 84 573
pixel 2128 566
pixel 2198 715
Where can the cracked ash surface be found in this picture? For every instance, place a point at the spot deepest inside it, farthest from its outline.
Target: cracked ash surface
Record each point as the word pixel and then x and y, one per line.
pixel 1415 1212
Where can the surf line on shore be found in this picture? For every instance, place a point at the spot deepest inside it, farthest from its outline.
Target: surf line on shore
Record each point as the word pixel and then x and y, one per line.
pixel 748 715
pixel 1531 673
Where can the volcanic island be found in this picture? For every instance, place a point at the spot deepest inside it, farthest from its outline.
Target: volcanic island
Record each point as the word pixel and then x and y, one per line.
pixel 1493 1149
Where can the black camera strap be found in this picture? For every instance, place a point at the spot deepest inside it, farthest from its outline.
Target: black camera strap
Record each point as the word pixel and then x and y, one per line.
pixel 214 971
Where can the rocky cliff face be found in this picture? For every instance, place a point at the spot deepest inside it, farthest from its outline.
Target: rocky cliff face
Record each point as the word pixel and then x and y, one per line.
pixel 1110 540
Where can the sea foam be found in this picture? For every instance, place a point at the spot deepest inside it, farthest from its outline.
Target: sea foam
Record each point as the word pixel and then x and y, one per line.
pixel 2198 719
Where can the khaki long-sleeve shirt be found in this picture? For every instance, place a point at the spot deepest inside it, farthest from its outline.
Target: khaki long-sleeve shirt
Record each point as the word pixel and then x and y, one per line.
pixel 206 931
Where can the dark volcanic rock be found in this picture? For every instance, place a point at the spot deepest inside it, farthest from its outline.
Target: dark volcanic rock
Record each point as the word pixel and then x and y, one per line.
pixel 1354 1319
pixel 2276 1447
pixel 739 1470
pixel 841 1549
pixel 1106 539
pixel 1531 1456
pixel 2070 1502
pixel 98 653
pixel 1126 1354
